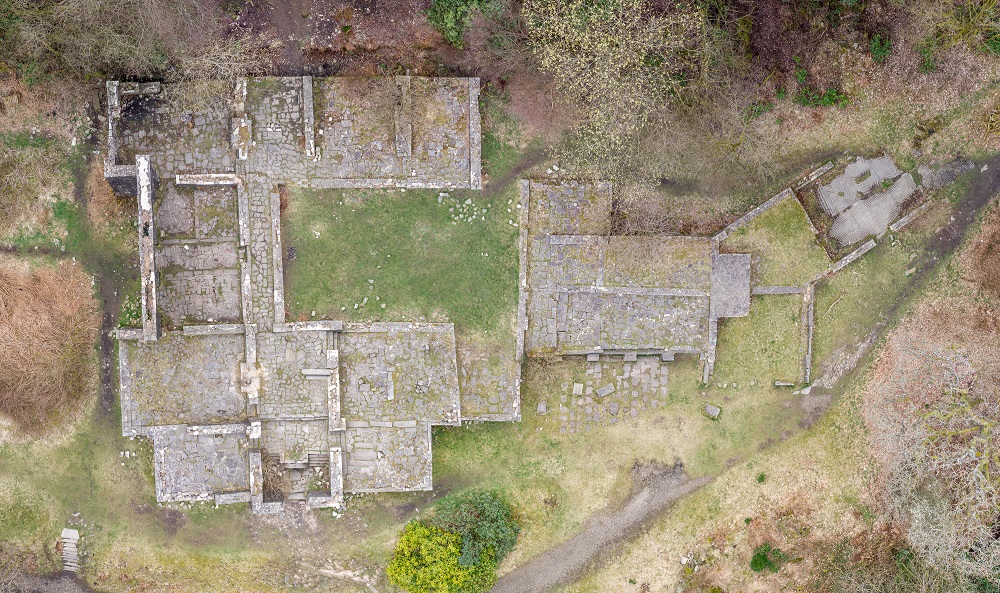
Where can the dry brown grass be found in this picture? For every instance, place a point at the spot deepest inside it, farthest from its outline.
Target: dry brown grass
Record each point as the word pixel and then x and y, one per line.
pixel 48 326
pixel 103 206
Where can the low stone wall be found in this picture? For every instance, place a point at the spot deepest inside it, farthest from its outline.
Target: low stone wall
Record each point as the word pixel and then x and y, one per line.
pixel 147 235
pixel 746 218
pixel 213 329
pixel 815 175
pixel 211 179
pixel 905 220
pixel 307 326
pixel 121 178
pixel 763 290
pixel 852 256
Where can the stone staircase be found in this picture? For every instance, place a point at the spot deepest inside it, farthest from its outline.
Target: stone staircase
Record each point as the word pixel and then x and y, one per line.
pixel 70 553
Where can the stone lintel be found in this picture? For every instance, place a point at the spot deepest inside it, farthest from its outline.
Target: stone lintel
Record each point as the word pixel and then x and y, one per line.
pixel 208 179
pixel 476 138
pixel 214 329
pixel 231 498
pixel 129 334
pixel 403 118
pixel 318 373
pixel 242 136
pixel 139 88
pixel 269 508
pixel 308 116
pixel 852 256
pixel 256 470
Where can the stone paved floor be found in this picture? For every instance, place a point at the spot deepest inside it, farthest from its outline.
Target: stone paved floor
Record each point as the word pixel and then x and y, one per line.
pixel 181 379
pixel 197 466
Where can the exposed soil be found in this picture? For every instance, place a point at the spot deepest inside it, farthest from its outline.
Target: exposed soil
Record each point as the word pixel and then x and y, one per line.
pixel 562 564
pixel 349 37
pixel 984 260
pixel 61 582
pixel 101 263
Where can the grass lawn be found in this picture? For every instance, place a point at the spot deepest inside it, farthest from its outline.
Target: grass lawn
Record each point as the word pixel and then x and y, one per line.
pixel 852 302
pixel 405 255
pixel 83 480
pixel 763 347
pixel 814 478
pixel 782 245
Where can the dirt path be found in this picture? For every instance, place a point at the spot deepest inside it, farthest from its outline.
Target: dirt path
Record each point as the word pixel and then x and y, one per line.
pixel 564 563
pixel 104 265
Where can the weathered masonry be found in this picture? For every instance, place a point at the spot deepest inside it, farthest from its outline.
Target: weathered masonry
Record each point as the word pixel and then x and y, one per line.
pixel 242 405
pixel 586 292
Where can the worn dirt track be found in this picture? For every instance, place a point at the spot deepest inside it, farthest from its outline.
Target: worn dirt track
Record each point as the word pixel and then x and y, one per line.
pixel 563 563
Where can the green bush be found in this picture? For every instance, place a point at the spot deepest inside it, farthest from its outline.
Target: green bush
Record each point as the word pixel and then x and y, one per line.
pixel 761 478
pixel 451 17
pixel 483 519
pixel 764 556
pixel 426 561
pixel 880 47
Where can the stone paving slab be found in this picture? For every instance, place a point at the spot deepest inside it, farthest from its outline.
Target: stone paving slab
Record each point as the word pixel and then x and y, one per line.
pixel 388 459
pixel 731 285
pixel 871 216
pixel 859 178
